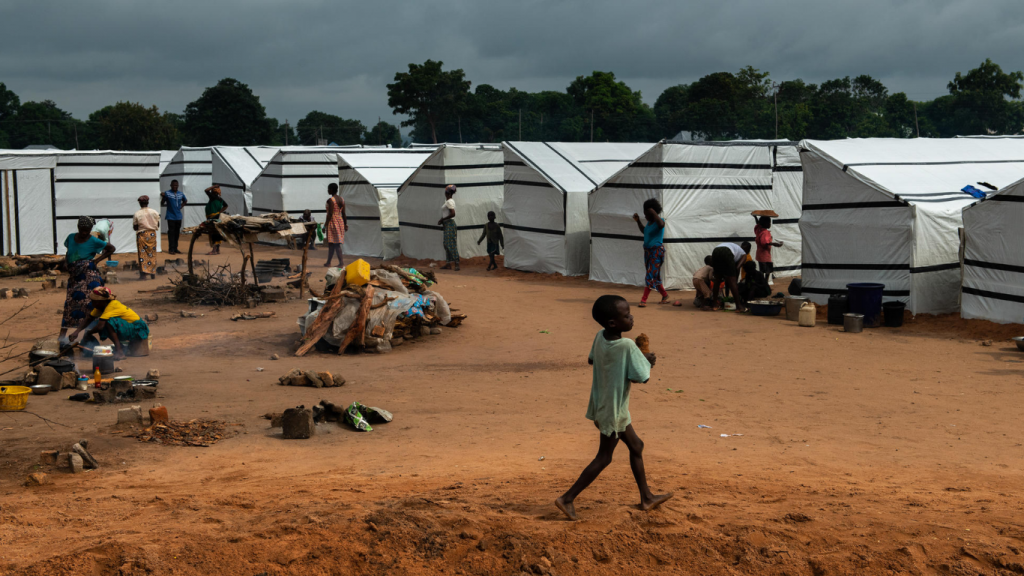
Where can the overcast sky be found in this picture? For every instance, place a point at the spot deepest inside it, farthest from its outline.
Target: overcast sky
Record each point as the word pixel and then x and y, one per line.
pixel 336 57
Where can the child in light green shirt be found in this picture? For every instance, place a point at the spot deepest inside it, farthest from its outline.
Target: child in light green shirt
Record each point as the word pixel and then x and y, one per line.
pixel 617 362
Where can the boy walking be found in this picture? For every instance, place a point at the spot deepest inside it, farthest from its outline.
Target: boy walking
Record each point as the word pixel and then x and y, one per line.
pixel 492 231
pixel 617 362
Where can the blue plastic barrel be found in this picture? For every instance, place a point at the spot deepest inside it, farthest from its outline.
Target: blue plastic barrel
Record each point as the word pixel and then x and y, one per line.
pixel 866 298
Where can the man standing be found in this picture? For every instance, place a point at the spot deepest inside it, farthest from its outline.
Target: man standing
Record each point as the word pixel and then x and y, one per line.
pixel 175 202
pixel 146 223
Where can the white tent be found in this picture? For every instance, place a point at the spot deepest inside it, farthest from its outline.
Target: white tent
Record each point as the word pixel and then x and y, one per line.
pixel 44 194
pixel 546 225
pixel 707 191
pixel 193 169
pixel 234 168
pixel 888 211
pixel 296 179
pixel 477 172
pixel 369 180
pixel 993 265
pixel 165 158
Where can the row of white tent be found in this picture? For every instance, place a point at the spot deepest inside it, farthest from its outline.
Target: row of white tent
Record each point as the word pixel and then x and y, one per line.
pixel 859 210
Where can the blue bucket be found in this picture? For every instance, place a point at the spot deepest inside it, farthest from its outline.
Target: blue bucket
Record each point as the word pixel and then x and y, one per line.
pixel 866 298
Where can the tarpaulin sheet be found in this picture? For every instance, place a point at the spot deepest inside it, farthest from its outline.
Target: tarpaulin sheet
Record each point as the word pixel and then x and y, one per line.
pixel 993 271
pixel 895 204
pixel 547 228
pixel 477 171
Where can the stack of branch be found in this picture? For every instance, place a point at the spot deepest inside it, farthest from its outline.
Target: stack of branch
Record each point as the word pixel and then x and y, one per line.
pixel 218 288
pixel 27 264
pixel 325 320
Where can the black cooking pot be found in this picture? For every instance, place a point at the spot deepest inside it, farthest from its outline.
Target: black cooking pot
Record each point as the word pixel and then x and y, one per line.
pixel 61 365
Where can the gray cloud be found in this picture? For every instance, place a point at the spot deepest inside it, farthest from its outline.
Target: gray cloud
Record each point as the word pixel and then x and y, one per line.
pixel 337 56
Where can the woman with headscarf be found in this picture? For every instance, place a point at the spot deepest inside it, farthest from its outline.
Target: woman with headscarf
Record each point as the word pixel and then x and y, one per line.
pixel 83 252
pixel 451 232
pixel 111 320
pixel 336 224
pixel 214 208
pixel 146 222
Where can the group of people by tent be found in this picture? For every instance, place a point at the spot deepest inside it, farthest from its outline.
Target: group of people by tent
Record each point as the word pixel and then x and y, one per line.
pixel 883 210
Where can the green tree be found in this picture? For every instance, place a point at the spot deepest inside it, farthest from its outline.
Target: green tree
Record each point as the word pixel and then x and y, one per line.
pixel 132 126
pixel 9 104
pixel 986 100
pixel 383 133
pixel 428 95
pixel 670 110
pixel 228 114
pixel 45 123
pixel 320 125
pixel 619 114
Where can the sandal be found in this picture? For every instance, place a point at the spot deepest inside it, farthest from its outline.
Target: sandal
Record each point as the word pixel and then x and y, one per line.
pixel 677 303
pixel 642 305
pixel 663 301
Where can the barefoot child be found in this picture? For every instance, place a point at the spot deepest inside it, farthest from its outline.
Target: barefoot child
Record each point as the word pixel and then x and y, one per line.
pixel 654 249
pixel 492 231
pixel 617 361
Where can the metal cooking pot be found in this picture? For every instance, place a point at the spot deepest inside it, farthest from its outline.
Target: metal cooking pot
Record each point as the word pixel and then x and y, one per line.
pixel 853 322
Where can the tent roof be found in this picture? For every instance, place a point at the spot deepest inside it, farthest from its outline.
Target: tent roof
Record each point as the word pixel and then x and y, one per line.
pixel 925 172
pixel 578 166
pixel 246 162
pixel 384 167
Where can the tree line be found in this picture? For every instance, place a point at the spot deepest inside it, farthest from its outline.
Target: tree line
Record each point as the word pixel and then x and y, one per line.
pixel 228 114
pixel 442 106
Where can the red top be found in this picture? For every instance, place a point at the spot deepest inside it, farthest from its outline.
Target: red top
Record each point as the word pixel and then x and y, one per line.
pixel 763 239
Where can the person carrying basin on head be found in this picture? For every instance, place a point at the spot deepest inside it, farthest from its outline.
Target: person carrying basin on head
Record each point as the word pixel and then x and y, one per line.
pixel 763 239
pixel 84 251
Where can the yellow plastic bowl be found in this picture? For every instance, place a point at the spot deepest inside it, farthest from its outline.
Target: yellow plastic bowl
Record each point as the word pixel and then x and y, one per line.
pixel 13 398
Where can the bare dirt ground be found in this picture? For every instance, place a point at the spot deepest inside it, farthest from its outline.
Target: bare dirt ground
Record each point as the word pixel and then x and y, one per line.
pixel 894 451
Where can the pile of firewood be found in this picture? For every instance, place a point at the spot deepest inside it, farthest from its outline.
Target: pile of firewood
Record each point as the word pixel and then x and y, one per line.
pixel 18 265
pixel 201 433
pixel 405 327
pixel 218 288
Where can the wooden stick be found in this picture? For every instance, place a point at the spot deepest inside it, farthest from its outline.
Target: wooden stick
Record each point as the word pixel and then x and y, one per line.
pixel 359 326
pixel 305 256
pixel 323 321
pixel 252 262
pixel 191 245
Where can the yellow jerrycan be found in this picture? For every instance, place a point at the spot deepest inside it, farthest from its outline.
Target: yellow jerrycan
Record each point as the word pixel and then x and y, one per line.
pixel 808 314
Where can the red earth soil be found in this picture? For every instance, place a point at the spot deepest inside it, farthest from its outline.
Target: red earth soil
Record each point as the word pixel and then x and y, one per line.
pixel 893 451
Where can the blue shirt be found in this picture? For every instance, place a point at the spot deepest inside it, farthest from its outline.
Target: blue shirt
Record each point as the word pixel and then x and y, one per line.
pixel 85 251
pixel 654 235
pixel 175 200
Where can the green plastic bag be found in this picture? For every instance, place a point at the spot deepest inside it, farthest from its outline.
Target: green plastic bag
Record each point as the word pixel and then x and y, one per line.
pixel 319 232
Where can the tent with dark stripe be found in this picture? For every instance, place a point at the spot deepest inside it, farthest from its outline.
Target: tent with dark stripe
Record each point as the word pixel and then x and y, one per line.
pixel 44 194
pixel 193 169
pixel 888 210
pixel 993 265
pixel 547 227
pixel 707 190
pixel 369 179
pixel 477 172
pixel 234 169
pixel 296 179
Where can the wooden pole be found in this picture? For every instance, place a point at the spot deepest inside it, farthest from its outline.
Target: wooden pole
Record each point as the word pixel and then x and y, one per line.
pixel 323 321
pixel 305 256
pixel 359 326
pixel 252 262
pixel 191 245
pixel 7 201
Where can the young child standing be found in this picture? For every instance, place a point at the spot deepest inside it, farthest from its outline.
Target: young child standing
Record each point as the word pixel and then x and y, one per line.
pixel 617 361
pixel 763 239
pixel 492 231
pixel 654 249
